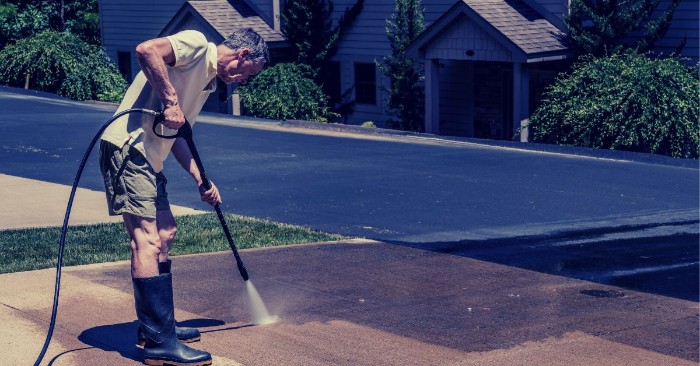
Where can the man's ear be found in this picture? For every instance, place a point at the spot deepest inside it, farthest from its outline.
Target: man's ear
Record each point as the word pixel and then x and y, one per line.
pixel 243 52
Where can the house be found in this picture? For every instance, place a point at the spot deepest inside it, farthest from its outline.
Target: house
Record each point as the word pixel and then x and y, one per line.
pixel 486 61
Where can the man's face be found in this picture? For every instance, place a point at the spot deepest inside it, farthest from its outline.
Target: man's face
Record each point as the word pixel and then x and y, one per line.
pixel 240 69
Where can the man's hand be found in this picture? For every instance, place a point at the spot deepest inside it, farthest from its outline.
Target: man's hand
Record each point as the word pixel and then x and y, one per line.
pixel 173 117
pixel 210 196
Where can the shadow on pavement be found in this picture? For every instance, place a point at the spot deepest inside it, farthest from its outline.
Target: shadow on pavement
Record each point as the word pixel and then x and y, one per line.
pixel 625 256
pixel 114 337
pixel 122 337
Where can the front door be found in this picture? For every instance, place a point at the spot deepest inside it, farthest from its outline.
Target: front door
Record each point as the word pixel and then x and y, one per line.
pixel 493 100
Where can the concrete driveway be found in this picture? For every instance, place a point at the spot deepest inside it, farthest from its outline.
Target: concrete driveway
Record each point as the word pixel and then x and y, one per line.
pixel 488 255
pixel 355 303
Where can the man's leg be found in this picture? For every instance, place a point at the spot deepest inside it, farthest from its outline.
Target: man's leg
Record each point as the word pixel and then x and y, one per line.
pixel 153 294
pixel 146 245
pixel 167 229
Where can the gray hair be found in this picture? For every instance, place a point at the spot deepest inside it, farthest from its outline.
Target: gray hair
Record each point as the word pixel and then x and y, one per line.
pixel 250 39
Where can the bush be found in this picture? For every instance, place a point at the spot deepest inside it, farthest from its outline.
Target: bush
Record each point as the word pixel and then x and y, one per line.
pixel 283 92
pixel 61 63
pixel 623 102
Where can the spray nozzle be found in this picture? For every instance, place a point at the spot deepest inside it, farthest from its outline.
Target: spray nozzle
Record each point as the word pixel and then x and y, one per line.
pixel 151 112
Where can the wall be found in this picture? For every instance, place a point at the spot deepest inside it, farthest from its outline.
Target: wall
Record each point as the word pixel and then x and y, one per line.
pixel 464 35
pixel 126 23
pixel 685 23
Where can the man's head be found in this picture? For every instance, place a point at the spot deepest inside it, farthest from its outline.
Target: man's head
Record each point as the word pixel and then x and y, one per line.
pixel 243 54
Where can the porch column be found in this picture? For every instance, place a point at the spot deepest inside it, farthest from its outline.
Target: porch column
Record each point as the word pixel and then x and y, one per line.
pixel 521 99
pixel 432 96
pixel 234 102
pixel 276 18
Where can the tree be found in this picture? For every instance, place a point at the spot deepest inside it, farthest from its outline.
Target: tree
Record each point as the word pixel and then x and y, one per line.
pixel 603 27
pixel 283 92
pixel 406 94
pixel 20 22
pixel 308 25
pixel 25 18
pixel 623 102
pixel 60 62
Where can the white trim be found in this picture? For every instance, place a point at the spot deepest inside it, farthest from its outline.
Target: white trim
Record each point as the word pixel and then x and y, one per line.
pixel 276 15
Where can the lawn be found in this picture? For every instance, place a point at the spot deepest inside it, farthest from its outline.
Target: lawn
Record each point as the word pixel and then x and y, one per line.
pixel 37 248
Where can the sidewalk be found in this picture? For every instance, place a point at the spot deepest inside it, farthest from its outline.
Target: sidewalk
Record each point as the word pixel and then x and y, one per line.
pixel 347 303
pixel 32 203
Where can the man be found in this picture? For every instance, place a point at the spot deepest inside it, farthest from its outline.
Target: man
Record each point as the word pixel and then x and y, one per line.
pixel 178 74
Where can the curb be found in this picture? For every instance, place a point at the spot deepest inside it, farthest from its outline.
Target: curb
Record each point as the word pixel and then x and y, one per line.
pixel 620 155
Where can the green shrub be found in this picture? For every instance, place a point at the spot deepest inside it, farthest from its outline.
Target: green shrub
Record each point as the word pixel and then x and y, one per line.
pixel 61 63
pixel 369 124
pixel 283 92
pixel 623 102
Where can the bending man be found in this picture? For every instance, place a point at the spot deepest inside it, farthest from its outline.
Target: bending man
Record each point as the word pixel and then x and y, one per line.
pixel 178 74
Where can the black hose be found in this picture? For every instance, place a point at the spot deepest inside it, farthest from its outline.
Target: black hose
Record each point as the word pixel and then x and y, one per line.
pixel 64 229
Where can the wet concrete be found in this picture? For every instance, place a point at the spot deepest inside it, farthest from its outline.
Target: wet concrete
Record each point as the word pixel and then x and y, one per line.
pixel 362 303
pixel 660 257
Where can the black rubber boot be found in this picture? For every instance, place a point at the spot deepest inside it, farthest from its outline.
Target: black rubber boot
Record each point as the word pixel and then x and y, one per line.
pixel 155 311
pixel 187 335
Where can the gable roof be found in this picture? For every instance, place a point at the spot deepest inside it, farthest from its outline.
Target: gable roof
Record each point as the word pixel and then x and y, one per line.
pixel 513 23
pixel 225 17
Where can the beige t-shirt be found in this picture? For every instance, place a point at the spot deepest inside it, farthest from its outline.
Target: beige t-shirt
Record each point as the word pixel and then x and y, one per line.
pixel 193 77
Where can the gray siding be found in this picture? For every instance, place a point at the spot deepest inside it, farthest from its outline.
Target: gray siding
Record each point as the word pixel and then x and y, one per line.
pixel 465 35
pixel 685 23
pixel 126 23
pixel 560 8
pixel 263 8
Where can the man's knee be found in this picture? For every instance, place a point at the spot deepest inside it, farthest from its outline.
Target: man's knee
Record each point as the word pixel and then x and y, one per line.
pixel 167 227
pixel 145 243
pixel 144 233
pixel 167 235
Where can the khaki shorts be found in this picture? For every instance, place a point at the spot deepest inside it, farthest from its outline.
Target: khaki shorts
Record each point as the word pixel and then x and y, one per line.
pixel 131 184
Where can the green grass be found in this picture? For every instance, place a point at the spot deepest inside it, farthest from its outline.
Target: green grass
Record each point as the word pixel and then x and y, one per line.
pixel 37 248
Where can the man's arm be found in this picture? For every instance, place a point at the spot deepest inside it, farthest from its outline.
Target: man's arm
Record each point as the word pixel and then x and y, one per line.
pixel 183 156
pixel 153 56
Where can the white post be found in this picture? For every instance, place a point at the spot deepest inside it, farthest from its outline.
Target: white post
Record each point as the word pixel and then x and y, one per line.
pixel 276 17
pixel 236 101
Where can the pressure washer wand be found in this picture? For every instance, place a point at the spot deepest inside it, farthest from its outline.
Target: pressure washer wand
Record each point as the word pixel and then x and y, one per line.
pixel 186 133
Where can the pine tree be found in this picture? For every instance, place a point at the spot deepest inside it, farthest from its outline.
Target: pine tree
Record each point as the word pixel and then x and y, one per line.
pixel 406 94
pixel 308 25
pixel 600 27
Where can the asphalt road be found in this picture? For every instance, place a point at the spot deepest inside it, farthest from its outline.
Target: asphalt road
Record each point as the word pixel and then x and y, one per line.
pixel 611 221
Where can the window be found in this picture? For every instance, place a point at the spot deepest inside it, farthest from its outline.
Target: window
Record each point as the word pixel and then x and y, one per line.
pixel 124 64
pixel 365 84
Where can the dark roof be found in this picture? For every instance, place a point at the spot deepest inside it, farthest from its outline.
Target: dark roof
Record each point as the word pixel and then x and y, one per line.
pixel 528 34
pixel 524 26
pixel 227 16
